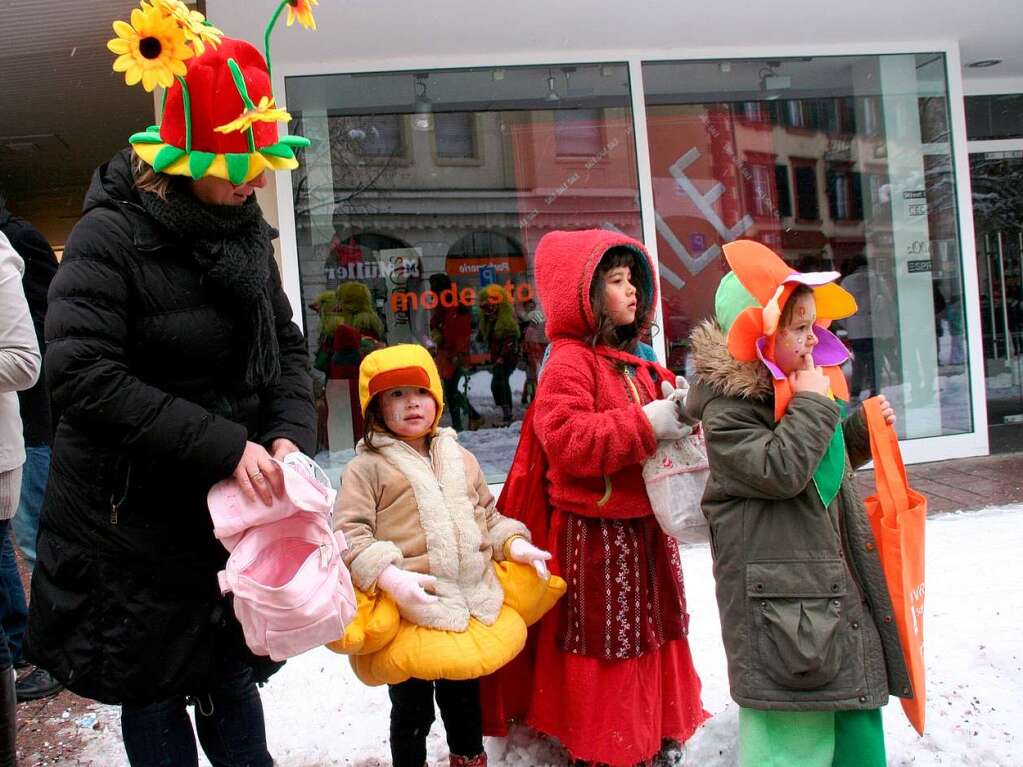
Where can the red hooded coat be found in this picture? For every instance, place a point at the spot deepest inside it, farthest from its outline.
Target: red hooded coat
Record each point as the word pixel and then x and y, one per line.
pixel 612 674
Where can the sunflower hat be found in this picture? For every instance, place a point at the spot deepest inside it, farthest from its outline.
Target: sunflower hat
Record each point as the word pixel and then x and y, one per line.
pixel 748 306
pixel 219 117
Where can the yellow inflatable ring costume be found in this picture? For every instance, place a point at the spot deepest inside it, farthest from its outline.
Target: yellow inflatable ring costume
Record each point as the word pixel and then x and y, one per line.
pixel 387 649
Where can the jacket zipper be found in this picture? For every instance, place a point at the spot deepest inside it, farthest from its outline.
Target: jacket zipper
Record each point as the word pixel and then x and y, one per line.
pixel 115 504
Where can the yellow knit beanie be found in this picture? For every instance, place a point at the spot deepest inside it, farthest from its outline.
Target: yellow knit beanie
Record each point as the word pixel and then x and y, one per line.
pixel 400 365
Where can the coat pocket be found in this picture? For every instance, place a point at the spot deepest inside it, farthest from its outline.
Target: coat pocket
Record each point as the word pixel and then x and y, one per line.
pixel 797 615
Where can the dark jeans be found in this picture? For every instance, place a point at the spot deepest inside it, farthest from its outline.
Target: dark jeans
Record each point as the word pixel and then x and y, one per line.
pixel 228 720
pixel 13 610
pixel 6 608
pixel 34 475
pixel 412 715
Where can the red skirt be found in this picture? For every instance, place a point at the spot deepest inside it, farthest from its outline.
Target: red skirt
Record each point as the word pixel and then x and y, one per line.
pixel 614 712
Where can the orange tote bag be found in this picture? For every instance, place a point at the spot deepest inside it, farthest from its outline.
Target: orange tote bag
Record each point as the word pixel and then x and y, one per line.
pixel 898 515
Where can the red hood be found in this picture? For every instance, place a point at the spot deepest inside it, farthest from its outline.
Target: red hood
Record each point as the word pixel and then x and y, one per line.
pixel 565 263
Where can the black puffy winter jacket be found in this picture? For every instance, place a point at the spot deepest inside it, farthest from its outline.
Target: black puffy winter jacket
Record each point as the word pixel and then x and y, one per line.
pixel 145 368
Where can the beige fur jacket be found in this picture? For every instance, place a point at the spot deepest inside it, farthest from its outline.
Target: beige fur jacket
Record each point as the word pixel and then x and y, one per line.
pixel 429 515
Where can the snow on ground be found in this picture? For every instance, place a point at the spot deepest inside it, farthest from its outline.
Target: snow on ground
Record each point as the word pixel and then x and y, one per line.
pixel 318 715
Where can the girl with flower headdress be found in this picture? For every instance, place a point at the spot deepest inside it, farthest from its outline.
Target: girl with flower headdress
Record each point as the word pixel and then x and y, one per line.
pixel 173 363
pixel 806 618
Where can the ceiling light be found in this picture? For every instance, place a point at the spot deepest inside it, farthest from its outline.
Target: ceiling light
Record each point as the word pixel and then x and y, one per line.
pixel 422 117
pixel 552 94
pixel 984 63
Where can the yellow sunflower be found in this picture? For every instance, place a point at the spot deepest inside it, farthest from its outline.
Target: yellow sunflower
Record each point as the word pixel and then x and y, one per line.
pixel 303 11
pixel 266 112
pixel 198 32
pixel 151 49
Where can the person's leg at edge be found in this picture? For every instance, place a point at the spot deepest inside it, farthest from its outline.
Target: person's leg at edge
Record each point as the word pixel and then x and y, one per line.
pixel 786 738
pixel 159 734
pixel 462 713
pixel 229 721
pixel 9 488
pixel 859 739
pixel 15 613
pixel 25 524
pixel 411 718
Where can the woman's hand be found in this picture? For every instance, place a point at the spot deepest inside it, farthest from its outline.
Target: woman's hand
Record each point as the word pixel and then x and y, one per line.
pixel 281 447
pixel 887 411
pixel 257 475
pixel 522 551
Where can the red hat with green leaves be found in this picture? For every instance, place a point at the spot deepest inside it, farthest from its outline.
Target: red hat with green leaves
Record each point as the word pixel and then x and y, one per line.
pixel 219 116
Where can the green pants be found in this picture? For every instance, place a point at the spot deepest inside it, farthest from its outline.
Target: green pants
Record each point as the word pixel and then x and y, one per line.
pixel 811 738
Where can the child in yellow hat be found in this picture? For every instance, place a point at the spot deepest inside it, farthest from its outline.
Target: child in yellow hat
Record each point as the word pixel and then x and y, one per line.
pixel 448 583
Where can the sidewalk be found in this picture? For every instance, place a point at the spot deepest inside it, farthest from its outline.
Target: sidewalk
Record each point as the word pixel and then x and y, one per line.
pixel 53 731
pixel 962 483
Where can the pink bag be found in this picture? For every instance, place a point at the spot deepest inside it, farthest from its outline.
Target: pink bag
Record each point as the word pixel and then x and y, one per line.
pixel 291 590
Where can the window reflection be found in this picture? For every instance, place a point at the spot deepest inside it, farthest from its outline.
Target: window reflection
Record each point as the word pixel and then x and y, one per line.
pixel 837 163
pixel 418 209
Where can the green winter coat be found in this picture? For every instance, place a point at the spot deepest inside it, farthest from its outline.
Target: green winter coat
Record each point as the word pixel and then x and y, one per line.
pixel 805 613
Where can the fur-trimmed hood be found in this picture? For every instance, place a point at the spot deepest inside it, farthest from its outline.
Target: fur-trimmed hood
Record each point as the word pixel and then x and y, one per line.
pixel 719 374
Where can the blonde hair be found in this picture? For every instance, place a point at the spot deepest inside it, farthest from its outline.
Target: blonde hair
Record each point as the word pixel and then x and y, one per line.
pixel 149 180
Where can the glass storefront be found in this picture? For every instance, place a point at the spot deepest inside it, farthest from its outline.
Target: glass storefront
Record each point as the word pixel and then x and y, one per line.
pixel 418 210
pixel 997 183
pixel 837 163
pixel 420 204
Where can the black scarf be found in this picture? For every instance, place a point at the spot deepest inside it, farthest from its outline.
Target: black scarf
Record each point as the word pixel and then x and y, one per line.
pixel 231 245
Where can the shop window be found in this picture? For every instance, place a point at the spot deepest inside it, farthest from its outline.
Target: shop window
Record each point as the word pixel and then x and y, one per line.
pixel 758 173
pixel 381 225
pixel 994 117
pixel 456 138
pixel 888 225
pixel 804 174
pixel 845 116
pixel 378 138
pixel 781 184
pixel 754 112
pixel 845 196
pixel 578 132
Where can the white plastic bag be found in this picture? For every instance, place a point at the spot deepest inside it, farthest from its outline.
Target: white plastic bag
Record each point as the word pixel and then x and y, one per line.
pixel 675 477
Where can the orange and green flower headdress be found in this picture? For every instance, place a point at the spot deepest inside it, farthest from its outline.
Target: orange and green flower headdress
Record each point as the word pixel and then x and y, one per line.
pixel 748 306
pixel 219 116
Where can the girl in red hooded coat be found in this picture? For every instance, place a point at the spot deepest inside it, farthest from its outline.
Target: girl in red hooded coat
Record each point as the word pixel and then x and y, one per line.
pixel 613 678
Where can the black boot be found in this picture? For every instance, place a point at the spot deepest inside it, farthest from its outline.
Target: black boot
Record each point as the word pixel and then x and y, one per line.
pixel 36 685
pixel 8 722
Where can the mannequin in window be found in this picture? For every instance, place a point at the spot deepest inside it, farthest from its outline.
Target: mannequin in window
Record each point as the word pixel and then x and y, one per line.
pixel 451 333
pixel 500 331
pixel 357 331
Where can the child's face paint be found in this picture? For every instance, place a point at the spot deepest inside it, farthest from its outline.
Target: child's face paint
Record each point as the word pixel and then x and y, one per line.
pixel 620 299
pixel 796 340
pixel 408 411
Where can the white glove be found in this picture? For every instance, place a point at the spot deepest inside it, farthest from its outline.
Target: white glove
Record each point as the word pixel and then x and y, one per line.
pixel 521 550
pixel 406 587
pixel 665 416
pixel 680 395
